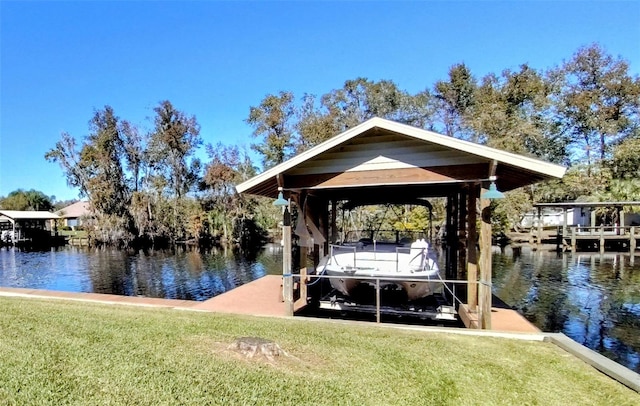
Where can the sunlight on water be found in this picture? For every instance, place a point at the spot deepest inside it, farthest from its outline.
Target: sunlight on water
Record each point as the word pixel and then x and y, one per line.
pixel 180 274
pixel 592 298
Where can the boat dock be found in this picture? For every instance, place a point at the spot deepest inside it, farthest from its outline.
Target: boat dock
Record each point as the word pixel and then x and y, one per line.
pixel 502 319
pixel 589 226
pixel 262 297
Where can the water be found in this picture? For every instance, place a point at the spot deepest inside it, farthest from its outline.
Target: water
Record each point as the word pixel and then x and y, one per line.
pixel 187 274
pixel 592 298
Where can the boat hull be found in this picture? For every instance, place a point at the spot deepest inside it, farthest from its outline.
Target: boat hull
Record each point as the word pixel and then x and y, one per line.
pixel 347 284
pixel 418 278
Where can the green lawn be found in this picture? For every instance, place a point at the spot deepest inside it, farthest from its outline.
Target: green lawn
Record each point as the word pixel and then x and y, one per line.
pixel 59 352
pixel 75 234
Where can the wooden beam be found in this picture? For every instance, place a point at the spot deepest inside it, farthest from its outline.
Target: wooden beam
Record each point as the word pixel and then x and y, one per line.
pixel 462 234
pixel 287 276
pixel 387 176
pixel 540 228
pixel 334 225
pixel 493 166
pixel 324 225
pixel 484 289
pixel 472 252
pixel 452 237
pixel 449 233
pixel 304 293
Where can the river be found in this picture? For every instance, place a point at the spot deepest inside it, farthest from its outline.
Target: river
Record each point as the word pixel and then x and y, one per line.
pixel 592 298
pixel 181 273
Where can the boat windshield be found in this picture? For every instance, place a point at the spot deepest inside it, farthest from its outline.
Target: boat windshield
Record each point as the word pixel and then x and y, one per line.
pixel 404 238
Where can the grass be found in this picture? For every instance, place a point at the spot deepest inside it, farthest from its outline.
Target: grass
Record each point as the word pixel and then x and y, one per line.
pixel 70 353
pixel 74 234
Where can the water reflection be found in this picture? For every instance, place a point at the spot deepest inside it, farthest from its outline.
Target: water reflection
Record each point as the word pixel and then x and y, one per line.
pixel 174 274
pixel 592 298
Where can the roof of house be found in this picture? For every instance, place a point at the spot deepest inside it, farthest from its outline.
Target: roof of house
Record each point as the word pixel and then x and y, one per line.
pixel 27 215
pixel 404 159
pixel 77 209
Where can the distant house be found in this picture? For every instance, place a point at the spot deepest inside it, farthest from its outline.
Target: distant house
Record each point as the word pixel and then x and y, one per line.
pixel 75 215
pixel 584 214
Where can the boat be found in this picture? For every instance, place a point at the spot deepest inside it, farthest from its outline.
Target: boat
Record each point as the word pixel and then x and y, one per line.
pixel 410 266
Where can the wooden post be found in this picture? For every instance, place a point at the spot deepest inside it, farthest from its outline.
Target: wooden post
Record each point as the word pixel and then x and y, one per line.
pixel 632 241
pixel 450 249
pixel 304 253
pixel 303 284
pixel 377 300
pixel 540 228
pixel 573 238
pixel 602 238
pixel 324 226
pixel 453 238
pixel 334 226
pixel 447 232
pixel 564 223
pixel 484 289
pixel 472 253
pixel 462 236
pixel 287 277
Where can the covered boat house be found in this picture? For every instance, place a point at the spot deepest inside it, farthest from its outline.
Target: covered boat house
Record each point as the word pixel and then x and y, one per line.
pixel 17 227
pixel 382 161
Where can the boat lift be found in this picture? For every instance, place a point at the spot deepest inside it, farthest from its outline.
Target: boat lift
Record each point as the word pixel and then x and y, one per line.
pixel 335 301
pixel 435 307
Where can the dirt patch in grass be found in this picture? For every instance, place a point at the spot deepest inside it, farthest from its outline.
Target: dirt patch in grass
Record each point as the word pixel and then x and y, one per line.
pixel 293 362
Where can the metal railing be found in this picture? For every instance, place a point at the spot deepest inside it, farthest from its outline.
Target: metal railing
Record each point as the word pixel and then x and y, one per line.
pixel 601 230
pixel 448 285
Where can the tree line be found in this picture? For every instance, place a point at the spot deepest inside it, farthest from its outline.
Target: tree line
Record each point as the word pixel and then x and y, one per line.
pixel 583 113
pixel 150 186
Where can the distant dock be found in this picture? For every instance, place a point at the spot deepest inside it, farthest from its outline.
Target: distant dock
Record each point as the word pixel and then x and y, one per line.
pixel 602 238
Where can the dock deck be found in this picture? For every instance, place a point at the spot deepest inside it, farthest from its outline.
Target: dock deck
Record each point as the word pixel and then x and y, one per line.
pixel 501 320
pixel 262 297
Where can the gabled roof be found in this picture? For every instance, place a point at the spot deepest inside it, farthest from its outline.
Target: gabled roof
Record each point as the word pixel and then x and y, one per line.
pixel 385 154
pixel 75 210
pixel 27 215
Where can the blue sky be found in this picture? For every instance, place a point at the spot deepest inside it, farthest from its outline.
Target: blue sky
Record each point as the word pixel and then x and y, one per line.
pixel 61 60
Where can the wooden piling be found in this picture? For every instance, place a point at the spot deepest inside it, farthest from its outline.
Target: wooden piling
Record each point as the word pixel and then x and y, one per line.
pixel 484 289
pixel 377 300
pixel 303 284
pixel 287 277
pixel 472 253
